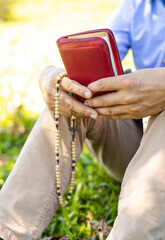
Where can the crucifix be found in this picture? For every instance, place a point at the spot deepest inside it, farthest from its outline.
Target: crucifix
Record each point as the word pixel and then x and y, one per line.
pixel 73 130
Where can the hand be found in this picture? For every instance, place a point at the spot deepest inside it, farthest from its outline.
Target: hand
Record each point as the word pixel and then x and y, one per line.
pixel 135 95
pixel 68 105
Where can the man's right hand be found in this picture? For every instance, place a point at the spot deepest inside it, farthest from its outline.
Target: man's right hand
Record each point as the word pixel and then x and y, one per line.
pixel 68 105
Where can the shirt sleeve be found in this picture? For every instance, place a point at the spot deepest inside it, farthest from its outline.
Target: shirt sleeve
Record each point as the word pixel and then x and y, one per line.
pixel 120 26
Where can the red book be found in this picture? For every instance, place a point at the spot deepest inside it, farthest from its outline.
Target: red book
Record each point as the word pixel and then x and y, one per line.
pixel 89 56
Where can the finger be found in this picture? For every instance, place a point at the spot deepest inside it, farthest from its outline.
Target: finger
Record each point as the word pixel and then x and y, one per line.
pixel 106 84
pixel 49 92
pixel 75 87
pixel 114 83
pixel 69 114
pixel 69 106
pixel 115 112
pixel 66 112
pixel 50 103
pixel 74 106
pixel 108 99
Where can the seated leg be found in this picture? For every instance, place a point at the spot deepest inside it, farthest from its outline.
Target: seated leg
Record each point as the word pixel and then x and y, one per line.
pixel 28 198
pixel 141 211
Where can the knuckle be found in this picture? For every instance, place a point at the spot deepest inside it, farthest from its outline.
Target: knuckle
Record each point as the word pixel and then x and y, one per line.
pixel 110 111
pixel 51 108
pixel 80 91
pixel 101 85
pixel 129 83
pixel 69 86
pixel 138 110
pixel 69 105
pixel 135 109
pixel 64 112
pixel 101 101
pixel 49 102
pixel 82 112
pixel 130 98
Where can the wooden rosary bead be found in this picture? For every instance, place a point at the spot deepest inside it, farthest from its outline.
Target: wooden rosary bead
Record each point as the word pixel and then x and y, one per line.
pixel 58 78
pixel 57 113
pixel 57 116
pixel 64 74
pixel 57 85
pixel 57 145
pixel 57 133
pixel 70 190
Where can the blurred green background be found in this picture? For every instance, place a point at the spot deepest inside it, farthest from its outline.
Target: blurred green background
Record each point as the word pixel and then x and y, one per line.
pixel 28 33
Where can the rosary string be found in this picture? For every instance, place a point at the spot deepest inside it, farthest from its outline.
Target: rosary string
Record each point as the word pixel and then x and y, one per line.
pixel 73 130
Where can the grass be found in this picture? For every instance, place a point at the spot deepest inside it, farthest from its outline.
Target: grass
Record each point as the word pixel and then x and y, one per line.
pixel 95 197
pixel 96 193
pixel 13 134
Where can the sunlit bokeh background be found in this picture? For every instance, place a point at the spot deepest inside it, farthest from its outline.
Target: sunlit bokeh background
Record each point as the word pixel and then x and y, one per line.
pixel 28 43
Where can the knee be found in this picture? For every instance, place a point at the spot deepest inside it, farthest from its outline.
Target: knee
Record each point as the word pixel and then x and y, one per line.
pixel 131 226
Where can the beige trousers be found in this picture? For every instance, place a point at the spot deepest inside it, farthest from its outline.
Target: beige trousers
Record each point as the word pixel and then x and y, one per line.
pixel 28 198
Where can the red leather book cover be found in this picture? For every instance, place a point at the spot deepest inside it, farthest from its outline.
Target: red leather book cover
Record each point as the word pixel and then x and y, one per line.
pixel 89 56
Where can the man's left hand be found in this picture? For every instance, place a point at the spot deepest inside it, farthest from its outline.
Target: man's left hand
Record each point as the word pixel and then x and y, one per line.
pixel 131 96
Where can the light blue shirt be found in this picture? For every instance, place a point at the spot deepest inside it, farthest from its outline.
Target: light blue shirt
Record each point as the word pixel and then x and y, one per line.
pixel 140 25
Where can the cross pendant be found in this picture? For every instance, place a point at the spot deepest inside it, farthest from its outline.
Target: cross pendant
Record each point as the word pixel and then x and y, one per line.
pixel 73 130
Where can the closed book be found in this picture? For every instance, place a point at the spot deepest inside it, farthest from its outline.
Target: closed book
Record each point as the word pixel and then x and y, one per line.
pixel 89 56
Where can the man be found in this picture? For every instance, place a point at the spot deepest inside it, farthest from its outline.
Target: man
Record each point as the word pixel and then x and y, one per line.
pixel 28 201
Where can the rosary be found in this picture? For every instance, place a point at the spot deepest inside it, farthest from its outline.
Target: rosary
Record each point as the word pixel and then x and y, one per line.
pixel 101 227
pixel 73 130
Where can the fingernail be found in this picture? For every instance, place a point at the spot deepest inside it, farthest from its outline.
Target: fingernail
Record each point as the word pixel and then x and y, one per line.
pixel 87 94
pixel 86 103
pixel 93 116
